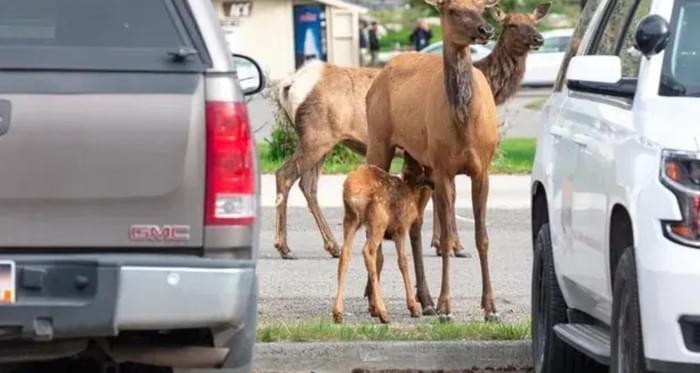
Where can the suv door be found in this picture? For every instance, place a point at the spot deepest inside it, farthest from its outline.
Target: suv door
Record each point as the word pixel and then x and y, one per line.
pixel 557 137
pixel 599 120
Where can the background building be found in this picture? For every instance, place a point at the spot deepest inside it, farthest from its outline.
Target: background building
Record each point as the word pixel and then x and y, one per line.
pixel 282 34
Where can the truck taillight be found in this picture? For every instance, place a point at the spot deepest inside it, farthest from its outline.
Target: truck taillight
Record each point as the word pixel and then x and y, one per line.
pixel 230 191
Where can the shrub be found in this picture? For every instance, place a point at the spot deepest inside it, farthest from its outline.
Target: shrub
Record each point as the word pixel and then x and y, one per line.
pixel 283 140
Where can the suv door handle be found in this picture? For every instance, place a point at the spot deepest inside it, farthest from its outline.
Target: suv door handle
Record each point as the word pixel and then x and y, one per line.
pixel 558 132
pixel 582 140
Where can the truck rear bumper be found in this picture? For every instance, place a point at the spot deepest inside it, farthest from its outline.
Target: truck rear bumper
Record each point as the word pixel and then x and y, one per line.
pixel 87 296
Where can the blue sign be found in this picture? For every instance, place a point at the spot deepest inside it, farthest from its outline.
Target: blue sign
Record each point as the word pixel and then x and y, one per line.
pixel 309 33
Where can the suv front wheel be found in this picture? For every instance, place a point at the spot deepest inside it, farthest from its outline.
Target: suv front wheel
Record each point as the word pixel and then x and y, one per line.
pixel 627 344
pixel 550 354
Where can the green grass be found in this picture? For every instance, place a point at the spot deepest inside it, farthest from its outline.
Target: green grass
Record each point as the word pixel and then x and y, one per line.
pixel 515 156
pixel 326 331
pixel 536 104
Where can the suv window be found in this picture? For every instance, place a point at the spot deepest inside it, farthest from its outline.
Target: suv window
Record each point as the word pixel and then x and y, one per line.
pixel 680 74
pixel 584 20
pixel 92 34
pixel 555 44
pixel 630 56
pixel 615 21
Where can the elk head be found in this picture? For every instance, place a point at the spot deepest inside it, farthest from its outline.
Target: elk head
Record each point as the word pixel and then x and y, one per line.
pixel 462 21
pixel 520 29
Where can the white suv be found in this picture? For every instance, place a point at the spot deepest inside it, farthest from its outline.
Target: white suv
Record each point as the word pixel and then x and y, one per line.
pixel 616 195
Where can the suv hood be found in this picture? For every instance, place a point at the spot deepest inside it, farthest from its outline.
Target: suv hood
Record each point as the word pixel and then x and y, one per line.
pixel 671 122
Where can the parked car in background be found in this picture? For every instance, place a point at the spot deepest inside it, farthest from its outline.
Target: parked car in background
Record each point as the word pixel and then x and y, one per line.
pixel 616 195
pixel 129 195
pixel 478 51
pixel 543 64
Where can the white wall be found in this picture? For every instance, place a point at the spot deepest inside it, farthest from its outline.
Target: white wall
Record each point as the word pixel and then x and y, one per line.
pixel 267 36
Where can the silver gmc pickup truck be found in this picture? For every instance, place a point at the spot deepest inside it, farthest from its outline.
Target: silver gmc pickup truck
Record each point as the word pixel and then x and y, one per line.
pixel 128 188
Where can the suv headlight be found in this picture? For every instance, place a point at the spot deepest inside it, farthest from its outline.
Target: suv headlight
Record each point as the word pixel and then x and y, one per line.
pixel 681 174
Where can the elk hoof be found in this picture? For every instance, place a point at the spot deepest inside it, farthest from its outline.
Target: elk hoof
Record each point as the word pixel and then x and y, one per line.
pixel 289 256
pixel 415 311
pixel 445 319
pixel 333 250
pixel 384 318
pixel 373 311
pixel 492 317
pixel 338 317
pixel 461 253
pixel 429 311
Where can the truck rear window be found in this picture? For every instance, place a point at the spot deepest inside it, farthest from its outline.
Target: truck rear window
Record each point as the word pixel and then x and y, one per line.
pixel 93 34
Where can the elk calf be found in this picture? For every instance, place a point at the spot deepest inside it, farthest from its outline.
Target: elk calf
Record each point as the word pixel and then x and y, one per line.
pixel 386 205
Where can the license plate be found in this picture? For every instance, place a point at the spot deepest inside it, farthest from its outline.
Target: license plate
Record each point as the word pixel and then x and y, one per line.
pixel 7 282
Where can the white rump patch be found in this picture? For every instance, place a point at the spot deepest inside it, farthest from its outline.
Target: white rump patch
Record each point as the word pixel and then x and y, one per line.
pixel 300 84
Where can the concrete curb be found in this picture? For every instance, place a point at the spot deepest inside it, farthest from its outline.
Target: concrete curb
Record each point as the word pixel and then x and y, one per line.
pixel 345 356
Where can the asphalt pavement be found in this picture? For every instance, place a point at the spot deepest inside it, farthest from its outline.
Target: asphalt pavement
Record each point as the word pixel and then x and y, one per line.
pixel 304 289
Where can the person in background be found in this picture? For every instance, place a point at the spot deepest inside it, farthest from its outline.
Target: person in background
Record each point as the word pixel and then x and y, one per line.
pixel 373 34
pixel 420 37
pixel 363 42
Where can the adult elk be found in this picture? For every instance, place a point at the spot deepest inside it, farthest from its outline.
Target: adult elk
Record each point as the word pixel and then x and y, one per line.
pixel 326 105
pixel 442 112
pixel 504 68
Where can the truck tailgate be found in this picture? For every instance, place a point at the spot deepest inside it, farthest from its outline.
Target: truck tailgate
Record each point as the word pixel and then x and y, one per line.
pixel 100 159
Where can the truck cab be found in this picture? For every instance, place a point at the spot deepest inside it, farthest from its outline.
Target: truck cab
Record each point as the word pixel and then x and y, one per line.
pixel 129 189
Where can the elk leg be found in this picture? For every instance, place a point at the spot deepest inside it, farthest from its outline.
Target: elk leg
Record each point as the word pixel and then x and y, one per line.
pixel 381 155
pixel 369 252
pixel 411 303
pixel 309 186
pixel 368 286
pixel 411 168
pixel 351 223
pixel 303 160
pixel 445 209
pixel 458 249
pixel 480 192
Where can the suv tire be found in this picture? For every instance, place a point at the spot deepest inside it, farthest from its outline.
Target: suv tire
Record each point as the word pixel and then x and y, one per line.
pixel 550 354
pixel 627 344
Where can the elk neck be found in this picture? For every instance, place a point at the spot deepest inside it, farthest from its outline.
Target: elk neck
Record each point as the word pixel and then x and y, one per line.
pixel 504 69
pixel 457 62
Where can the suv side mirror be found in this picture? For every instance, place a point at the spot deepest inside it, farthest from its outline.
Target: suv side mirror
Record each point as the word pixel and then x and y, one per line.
pixel 653 35
pixel 600 75
pixel 595 69
pixel 250 75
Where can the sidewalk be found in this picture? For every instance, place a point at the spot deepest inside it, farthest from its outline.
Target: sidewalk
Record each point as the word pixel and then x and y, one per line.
pixel 506 192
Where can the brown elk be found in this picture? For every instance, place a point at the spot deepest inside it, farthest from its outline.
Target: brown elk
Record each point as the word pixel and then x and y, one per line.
pixel 442 112
pixel 326 105
pixel 333 92
pixel 387 205
pixel 504 69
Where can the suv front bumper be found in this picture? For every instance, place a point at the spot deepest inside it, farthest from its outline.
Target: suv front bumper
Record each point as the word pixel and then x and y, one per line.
pixel 62 297
pixel 669 281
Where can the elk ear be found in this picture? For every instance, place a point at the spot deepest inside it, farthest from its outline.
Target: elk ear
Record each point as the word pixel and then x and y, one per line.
pixel 437 4
pixel 490 3
pixel 498 14
pixel 541 11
